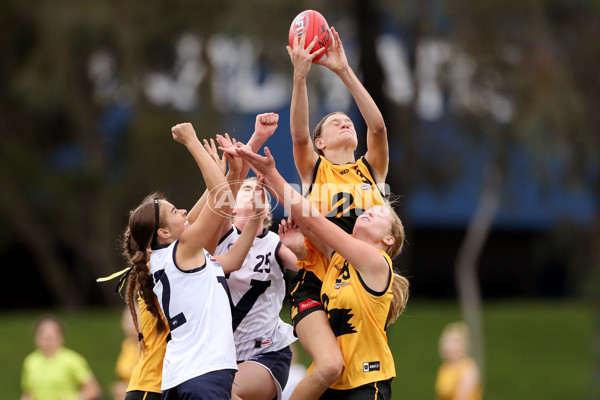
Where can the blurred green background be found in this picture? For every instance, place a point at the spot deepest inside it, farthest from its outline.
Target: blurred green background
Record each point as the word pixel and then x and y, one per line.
pixel 535 350
pixel 491 111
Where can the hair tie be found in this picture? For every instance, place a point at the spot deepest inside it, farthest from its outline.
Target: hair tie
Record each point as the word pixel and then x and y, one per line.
pixel 140 337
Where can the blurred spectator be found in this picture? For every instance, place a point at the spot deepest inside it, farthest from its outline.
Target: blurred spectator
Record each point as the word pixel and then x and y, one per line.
pixel 53 372
pixel 297 373
pixel 458 377
pixel 128 357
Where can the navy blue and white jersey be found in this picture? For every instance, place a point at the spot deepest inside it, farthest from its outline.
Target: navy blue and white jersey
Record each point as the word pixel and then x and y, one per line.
pixel 257 290
pixel 196 304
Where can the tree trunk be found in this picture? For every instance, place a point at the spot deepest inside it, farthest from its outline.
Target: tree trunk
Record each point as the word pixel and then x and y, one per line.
pixel 372 72
pixel 470 250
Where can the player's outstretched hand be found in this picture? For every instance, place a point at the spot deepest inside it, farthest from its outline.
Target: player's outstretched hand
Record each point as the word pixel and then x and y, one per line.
pixel 291 235
pixel 335 58
pixel 227 145
pixel 301 57
pixel 211 149
pixel 260 165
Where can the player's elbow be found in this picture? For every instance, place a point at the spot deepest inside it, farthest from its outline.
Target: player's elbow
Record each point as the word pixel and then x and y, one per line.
pixel 329 369
pixel 300 139
pixel 378 127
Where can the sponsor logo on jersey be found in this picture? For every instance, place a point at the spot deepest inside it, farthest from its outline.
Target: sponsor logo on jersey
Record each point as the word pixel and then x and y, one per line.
pixel 371 366
pixel 344 171
pixel 229 246
pixel 365 187
pixel 306 304
pixel 341 285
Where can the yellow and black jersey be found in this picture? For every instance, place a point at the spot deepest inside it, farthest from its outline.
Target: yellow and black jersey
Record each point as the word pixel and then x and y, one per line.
pixel 449 376
pixel 343 192
pixel 357 316
pixel 127 359
pixel 147 374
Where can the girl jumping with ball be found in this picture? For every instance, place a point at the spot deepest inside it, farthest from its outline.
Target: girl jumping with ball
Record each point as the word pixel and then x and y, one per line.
pixel 341 188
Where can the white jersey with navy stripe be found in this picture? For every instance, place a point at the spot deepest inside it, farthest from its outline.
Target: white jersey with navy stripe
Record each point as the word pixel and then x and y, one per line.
pixel 257 290
pixel 197 307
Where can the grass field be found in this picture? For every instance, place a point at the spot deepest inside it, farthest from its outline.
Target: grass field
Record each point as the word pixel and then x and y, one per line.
pixel 535 350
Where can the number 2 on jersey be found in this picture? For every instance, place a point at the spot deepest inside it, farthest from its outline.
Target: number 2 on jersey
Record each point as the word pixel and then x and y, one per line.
pixel 179 319
pixel 341 203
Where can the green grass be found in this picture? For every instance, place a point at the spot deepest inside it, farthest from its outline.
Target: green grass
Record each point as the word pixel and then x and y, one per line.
pixel 535 350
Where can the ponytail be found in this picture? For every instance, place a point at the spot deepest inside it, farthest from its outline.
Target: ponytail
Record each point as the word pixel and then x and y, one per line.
pixel 140 281
pixel 400 297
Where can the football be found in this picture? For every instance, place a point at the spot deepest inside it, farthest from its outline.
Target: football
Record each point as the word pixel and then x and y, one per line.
pixel 311 23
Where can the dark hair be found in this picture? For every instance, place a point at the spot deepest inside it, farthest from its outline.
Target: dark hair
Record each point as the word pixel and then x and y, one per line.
pixel 137 238
pixel 319 129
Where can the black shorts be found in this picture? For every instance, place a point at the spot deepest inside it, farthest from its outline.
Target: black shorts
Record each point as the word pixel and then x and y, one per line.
pixel 381 390
pixel 278 364
pixel 139 395
pixel 215 385
pixel 305 296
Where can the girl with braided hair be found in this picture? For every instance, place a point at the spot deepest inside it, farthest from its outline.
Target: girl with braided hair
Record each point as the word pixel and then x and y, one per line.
pixel 182 286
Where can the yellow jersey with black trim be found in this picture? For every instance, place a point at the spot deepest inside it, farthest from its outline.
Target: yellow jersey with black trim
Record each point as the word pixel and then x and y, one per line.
pixel 147 374
pixel 449 376
pixel 127 359
pixel 357 315
pixel 343 192
pixel 316 262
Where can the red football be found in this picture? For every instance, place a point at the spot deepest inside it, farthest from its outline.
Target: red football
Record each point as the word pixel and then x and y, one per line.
pixel 311 23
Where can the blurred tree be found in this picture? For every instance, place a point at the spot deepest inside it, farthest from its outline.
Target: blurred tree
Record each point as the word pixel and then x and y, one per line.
pixel 537 54
pixel 516 74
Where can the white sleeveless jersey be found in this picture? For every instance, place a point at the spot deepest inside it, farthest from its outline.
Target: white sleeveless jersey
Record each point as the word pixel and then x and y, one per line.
pixel 196 305
pixel 257 290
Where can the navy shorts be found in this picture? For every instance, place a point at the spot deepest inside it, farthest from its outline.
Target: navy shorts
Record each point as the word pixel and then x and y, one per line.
pixel 139 395
pixel 215 385
pixel 305 297
pixel 381 390
pixel 278 364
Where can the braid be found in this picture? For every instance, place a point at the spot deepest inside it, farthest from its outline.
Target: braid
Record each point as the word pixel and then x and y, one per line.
pixel 400 293
pixel 129 251
pixel 146 284
pixel 140 282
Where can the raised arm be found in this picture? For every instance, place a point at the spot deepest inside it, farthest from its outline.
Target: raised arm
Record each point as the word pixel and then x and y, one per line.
pixel 365 257
pixel 377 144
pixel 212 152
pixel 235 256
pixel 234 178
pixel 305 156
pixel 197 235
pixel 264 127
